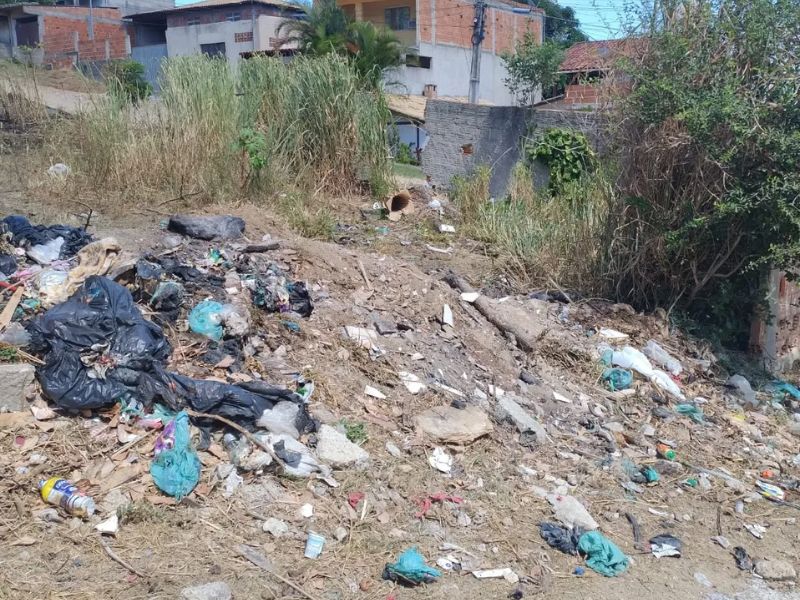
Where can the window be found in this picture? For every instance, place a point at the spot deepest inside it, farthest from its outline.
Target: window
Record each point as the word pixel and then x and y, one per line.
pixel 213 49
pixel 193 21
pixel 399 19
pixel 233 16
pixel 415 60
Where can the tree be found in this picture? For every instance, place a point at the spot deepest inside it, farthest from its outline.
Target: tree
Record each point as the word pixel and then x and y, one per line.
pixel 710 148
pixel 372 51
pixel 560 24
pixel 532 68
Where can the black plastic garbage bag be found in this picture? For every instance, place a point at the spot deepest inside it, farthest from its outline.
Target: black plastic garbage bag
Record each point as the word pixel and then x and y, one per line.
pixel 98 349
pixel 561 538
pixel 8 264
pixel 207 228
pixel 274 292
pixel 24 234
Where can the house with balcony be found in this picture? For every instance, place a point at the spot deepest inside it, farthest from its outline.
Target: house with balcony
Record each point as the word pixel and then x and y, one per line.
pixel 439 35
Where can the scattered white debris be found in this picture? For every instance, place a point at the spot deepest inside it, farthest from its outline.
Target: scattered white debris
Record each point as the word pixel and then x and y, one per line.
pixel 412 382
pixel 439 250
pixel 59 170
pixel 306 511
pixel 561 398
pixel 275 527
pixel 374 392
pixel 506 573
pixel 392 449
pixel 470 296
pixel 366 338
pixel 441 460
pixel 109 526
pixel 612 334
pixel 447 315
pixel 756 530
pixel 444 228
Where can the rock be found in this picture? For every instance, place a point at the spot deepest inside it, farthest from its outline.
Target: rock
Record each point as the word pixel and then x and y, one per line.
pixel 335 449
pixel 223 227
pixel 794 429
pixel 507 410
pixel 275 527
pixel 614 427
pixel 392 449
pixel 776 570
pixel 529 378
pixel 340 533
pixel 383 326
pixel 451 425
pixel 216 590
pixel 14 379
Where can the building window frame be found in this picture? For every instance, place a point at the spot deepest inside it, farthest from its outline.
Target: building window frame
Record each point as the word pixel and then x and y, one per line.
pixel 217 49
pixel 418 62
pixel 398 18
pixel 233 16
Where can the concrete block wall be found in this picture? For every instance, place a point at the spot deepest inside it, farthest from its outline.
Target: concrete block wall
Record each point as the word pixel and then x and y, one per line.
pixel 464 136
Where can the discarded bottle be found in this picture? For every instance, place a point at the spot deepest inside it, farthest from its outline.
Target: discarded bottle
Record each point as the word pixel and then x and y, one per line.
pixel 665 451
pixel 314 545
pixel 61 492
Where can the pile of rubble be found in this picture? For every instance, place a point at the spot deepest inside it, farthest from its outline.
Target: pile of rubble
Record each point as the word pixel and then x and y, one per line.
pixel 176 360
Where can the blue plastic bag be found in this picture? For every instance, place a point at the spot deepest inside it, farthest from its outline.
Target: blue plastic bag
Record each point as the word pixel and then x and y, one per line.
pixel 176 467
pixel 617 379
pixel 411 568
pixel 206 319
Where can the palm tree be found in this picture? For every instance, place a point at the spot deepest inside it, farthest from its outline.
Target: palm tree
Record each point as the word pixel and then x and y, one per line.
pixel 373 51
pixel 326 28
pixel 322 29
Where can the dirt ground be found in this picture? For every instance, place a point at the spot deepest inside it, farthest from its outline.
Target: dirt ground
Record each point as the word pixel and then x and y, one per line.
pixel 168 547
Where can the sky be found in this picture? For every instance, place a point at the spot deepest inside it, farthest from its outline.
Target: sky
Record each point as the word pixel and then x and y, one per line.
pixel 599 19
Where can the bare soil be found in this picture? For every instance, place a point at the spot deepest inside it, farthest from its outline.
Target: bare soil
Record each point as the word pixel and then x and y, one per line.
pixel 174 546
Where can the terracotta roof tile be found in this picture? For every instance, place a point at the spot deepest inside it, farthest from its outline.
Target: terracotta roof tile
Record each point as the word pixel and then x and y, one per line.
pixel 600 55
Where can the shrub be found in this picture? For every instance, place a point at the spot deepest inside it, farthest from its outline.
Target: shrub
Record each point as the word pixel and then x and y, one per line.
pixel 126 80
pixel 567 155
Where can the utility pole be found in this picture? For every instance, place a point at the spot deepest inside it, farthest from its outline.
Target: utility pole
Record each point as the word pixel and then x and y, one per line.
pixel 477 38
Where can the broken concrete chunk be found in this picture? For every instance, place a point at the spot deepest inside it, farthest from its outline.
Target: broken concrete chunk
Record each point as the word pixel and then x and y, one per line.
pixel 374 392
pixel 776 570
pixel 383 326
pixel 275 527
pixel 447 315
pixel 507 410
pixel 220 227
pixel 412 382
pixel 335 449
pixel 216 590
pixel 14 378
pixel 451 425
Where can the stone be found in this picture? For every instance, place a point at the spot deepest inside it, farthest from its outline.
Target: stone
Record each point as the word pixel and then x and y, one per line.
pixel 216 590
pixel 507 410
pixel 392 449
pixel 383 326
pixel 451 425
pixel 335 449
pixel 340 533
pixel 275 527
pixel 776 570
pixel 14 379
pixel 614 427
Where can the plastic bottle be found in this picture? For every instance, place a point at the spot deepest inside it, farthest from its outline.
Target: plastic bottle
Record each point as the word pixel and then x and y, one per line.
pixel 61 492
pixel 662 358
pixel 665 451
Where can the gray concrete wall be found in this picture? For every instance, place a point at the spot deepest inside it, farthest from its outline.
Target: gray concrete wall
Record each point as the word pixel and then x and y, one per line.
pixel 464 136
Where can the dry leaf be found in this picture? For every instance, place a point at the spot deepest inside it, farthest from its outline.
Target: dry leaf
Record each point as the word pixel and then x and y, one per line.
pixel 15 418
pixel 218 451
pixel 41 411
pixel 226 362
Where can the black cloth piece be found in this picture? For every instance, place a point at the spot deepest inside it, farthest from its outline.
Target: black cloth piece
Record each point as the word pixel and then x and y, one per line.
pixel 24 234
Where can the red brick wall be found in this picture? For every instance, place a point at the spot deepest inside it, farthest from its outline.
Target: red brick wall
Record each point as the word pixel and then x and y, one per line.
pixel 454 25
pixel 58 39
pixel 585 93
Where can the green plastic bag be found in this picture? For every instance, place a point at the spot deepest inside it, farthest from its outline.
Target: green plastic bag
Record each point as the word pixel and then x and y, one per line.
pixel 411 568
pixel 602 555
pixel 617 379
pixel 691 411
pixel 176 467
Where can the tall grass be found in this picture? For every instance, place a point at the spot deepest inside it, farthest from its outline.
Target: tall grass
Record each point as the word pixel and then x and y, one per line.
pixel 540 239
pixel 321 128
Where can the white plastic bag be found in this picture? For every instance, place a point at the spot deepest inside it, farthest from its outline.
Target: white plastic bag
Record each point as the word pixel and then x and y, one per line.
pixel 664 381
pixel 631 358
pixel 44 254
pixel 662 358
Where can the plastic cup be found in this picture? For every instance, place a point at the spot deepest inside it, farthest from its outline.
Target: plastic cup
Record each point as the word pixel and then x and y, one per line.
pixel 314 545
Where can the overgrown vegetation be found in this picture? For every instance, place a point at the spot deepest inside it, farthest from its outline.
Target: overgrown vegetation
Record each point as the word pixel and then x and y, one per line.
pixel 710 148
pixel 532 68
pixel 567 155
pixel 126 81
pixel 539 238
pixel 310 125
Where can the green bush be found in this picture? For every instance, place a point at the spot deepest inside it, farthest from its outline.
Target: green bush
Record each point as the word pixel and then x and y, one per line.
pixel 403 154
pixel 126 81
pixel 567 155
pixel 710 148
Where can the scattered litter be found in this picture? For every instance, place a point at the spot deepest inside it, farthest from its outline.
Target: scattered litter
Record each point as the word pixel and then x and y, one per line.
pixel 448 563
pixel 176 466
pixel 560 538
pixel 665 545
pixel 447 315
pixel 504 573
pixel 770 491
pixel 206 319
pixel 561 398
pixel 412 382
pixel 743 560
pixel 428 501
pixel 306 511
pixel 691 411
pixel 612 334
pixel 411 569
pixel 569 511
pixel 366 338
pixel 703 580
pixel 109 526
pixel 617 379
pixel 374 392
pixel 444 228
pixel 602 555
pixel 756 530
pixel 61 492
pixel 722 541
pixel 743 390
pixel 470 297
pixel 59 171
pixel 314 544
pixel 662 358
pixel 441 460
